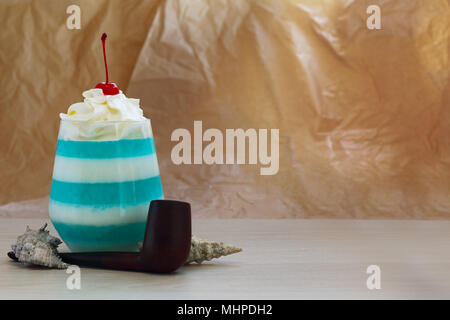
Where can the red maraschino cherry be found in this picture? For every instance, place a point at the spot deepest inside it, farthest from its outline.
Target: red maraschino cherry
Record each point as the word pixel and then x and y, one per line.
pixel 108 88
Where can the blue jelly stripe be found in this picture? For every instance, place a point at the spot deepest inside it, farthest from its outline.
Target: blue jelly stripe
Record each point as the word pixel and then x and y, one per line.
pixel 93 238
pixel 124 148
pixel 107 194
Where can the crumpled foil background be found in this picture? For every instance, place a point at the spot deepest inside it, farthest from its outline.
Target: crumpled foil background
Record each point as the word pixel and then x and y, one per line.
pixel 364 115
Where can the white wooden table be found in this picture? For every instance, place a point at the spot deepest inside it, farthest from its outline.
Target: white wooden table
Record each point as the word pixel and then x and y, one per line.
pixel 282 259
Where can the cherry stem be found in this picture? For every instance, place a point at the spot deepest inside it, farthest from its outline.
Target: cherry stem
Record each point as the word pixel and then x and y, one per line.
pixel 104 55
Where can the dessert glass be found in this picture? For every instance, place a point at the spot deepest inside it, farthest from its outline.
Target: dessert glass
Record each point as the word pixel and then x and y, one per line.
pixel 104 177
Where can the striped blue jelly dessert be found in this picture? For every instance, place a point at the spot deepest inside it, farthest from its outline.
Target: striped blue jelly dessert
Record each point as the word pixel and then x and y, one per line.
pixel 101 191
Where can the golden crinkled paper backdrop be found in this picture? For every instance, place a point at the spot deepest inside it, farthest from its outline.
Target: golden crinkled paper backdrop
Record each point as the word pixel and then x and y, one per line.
pixel 364 115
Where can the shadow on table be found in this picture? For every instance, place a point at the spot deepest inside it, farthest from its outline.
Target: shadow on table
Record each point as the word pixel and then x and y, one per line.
pixel 214 265
pixel 29 266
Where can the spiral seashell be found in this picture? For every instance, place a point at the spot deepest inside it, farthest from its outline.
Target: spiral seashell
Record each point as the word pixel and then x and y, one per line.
pixel 38 247
pixel 204 250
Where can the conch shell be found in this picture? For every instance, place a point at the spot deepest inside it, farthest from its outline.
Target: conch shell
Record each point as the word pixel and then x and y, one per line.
pixel 38 247
pixel 204 250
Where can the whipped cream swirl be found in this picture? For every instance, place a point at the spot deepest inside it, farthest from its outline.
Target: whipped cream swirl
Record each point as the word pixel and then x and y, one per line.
pixel 104 117
pixel 100 107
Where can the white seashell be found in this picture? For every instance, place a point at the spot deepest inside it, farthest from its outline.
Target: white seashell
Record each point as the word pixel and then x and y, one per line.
pixel 38 247
pixel 204 250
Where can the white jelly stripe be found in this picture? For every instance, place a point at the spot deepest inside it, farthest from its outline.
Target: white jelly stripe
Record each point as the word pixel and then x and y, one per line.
pixel 105 170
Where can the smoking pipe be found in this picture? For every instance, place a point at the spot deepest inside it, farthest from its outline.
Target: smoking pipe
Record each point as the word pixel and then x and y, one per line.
pixel 166 245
